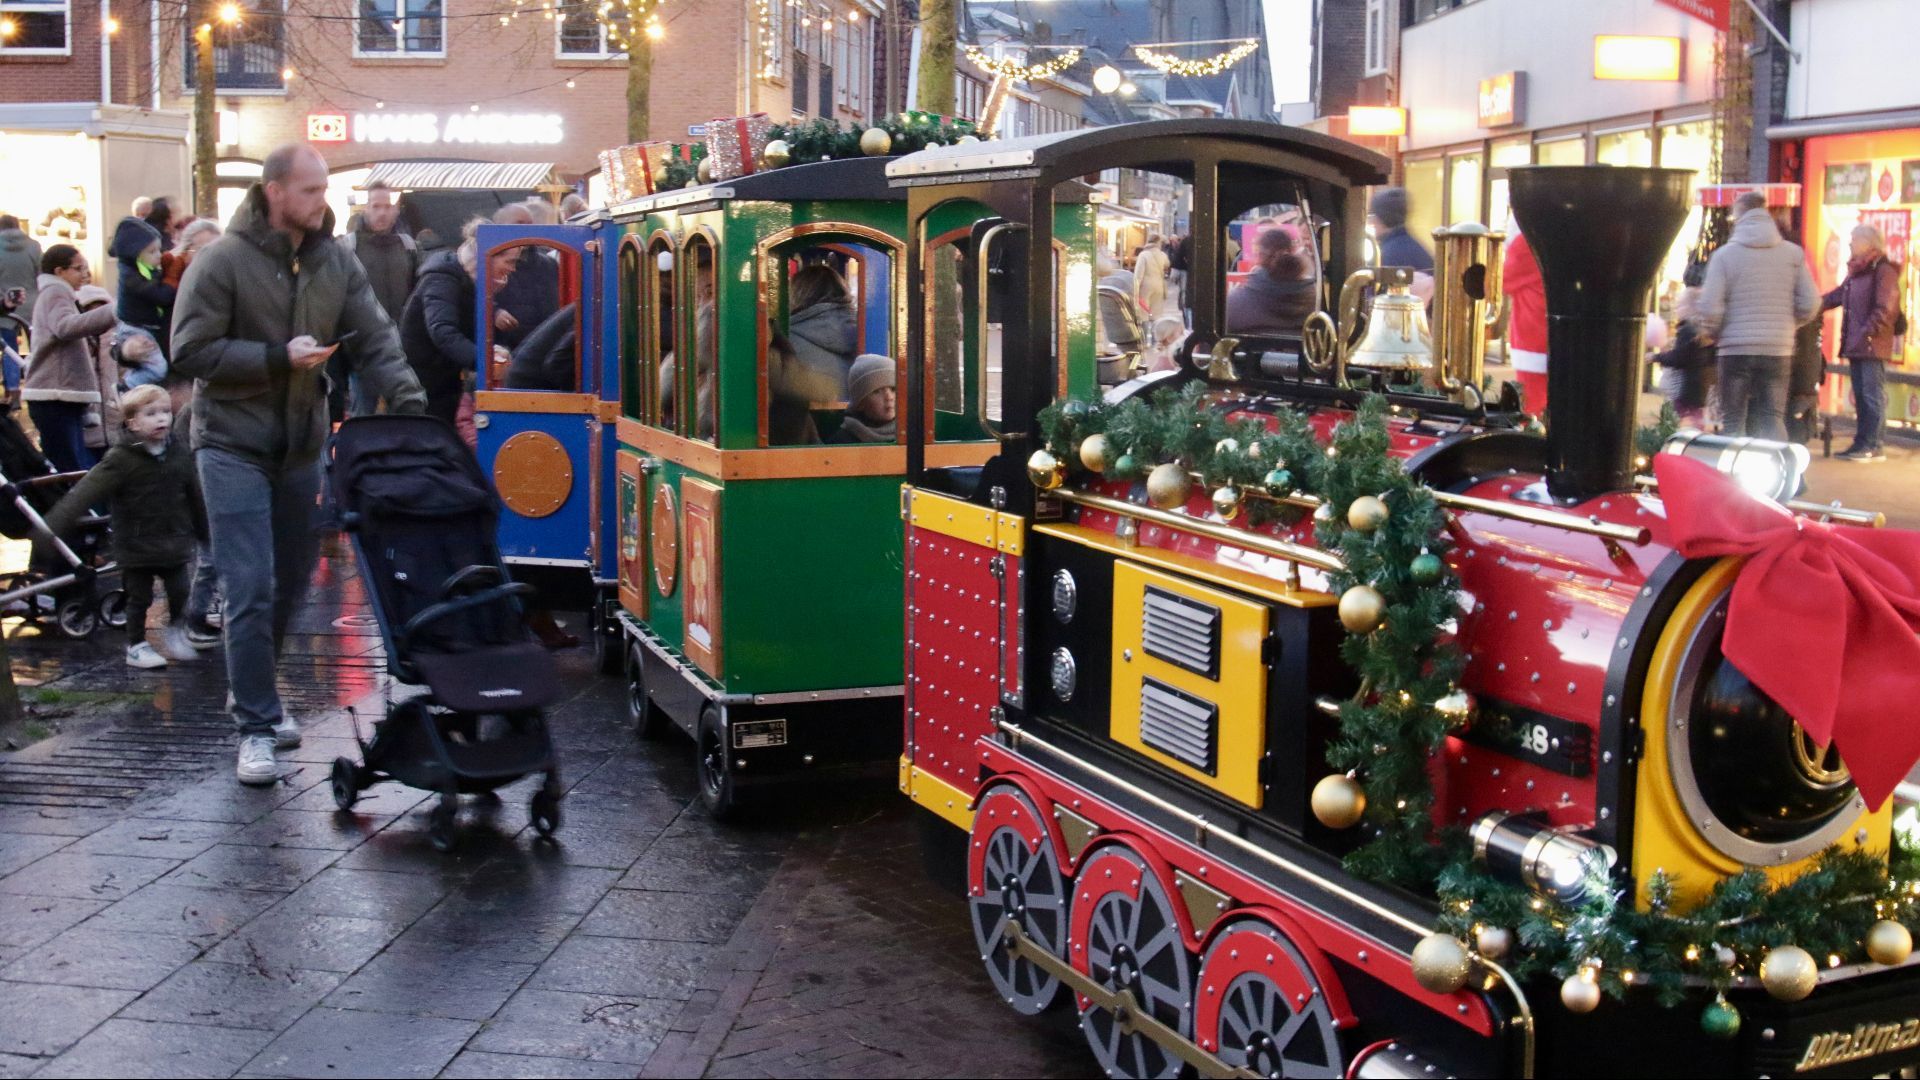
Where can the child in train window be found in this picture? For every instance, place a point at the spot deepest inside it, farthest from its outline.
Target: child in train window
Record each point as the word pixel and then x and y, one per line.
pixel 872 406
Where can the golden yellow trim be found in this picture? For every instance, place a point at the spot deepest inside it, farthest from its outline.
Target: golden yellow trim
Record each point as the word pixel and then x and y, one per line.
pixel 936 794
pixel 778 463
pixel 1268 588
pixel 535 401
pixel 962 520
pixel 1664 836
pixel 1237 690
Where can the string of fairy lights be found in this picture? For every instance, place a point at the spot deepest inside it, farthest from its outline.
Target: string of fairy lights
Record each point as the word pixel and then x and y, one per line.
pixel 1168 64
pixel 1019 70
pixel 1157 56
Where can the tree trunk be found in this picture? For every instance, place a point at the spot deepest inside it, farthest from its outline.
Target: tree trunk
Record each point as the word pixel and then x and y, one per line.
pixel 936 56
pixel 639 85
pixel 206 121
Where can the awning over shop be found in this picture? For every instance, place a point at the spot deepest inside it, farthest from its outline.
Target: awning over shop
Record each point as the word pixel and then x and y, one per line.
pixel 462 176
pixel 1844 125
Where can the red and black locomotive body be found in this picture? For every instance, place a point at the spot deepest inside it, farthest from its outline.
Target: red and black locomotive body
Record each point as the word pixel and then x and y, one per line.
pixel 1126 708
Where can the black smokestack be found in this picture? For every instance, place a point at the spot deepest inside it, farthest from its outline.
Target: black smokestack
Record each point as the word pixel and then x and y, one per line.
pixel 1600 233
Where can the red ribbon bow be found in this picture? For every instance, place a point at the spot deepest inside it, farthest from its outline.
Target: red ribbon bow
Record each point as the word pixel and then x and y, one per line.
pixel 1825 619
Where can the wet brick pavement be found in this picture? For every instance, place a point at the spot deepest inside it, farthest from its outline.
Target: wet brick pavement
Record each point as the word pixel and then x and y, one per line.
pixel 157 919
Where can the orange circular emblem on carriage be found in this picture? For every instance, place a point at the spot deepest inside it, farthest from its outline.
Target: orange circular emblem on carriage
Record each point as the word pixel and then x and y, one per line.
pixel 665 530
pixel 532 474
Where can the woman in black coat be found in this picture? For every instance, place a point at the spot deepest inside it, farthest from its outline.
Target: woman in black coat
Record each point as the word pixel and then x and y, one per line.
pixel 436 331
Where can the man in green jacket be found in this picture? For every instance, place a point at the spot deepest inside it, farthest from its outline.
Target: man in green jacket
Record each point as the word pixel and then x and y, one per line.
pixel 248 325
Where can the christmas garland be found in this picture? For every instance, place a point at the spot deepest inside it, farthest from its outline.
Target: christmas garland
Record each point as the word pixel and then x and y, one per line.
pixel 1398 597
pixel 899 133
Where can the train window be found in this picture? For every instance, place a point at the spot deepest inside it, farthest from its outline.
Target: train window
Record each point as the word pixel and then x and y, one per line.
pixel 656 360
pixel 1275 282
pixel 947 328
pixel 632 317
pixel 704 392
pixel 831 329
pixel 533 317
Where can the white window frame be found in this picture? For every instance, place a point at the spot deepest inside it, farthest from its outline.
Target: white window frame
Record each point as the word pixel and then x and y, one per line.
pixel 606 51
pixel 842 48
pixel 400 48
pixel 1374 62
pixel 63 8
pixel 859 64
pixel 776 58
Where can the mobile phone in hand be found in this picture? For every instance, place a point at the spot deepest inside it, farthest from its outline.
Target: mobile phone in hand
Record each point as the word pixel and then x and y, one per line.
pixel 343 339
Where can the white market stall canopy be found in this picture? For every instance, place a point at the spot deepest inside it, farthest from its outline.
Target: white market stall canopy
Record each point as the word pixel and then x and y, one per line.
pixel 464 176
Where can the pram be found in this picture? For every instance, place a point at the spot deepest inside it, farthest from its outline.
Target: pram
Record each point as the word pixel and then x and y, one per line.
pixel 422 519
pixel 63 578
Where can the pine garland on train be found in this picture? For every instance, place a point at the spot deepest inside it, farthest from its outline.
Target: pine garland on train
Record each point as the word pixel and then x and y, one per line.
pixel 1391 535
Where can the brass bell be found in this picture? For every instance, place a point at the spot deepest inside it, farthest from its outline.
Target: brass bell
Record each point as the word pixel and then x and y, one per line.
pixel 1397 335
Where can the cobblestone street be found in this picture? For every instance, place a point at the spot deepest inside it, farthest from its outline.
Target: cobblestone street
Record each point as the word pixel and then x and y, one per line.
pixel 158 919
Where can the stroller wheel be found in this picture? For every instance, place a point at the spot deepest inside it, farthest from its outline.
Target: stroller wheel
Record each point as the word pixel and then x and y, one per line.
pixel 346 783
pixel 546 812
pixel 113 608
pixel 440 824
pixel 75 617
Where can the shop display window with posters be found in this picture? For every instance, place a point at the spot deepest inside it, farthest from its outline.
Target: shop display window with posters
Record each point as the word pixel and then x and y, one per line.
pixel 1871 179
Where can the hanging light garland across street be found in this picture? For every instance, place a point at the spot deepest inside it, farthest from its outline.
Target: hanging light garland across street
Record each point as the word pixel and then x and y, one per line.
pixel 1014 69
pixel 1169 64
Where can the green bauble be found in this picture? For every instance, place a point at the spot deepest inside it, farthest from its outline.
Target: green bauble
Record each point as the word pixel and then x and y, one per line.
pixel 1720 1020
pixel 1124 467
pixel 1426 568
pixel 1279 481
pixel 1074 409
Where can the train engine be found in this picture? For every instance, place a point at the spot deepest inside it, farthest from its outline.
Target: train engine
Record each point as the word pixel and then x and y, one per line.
pixel 1310 719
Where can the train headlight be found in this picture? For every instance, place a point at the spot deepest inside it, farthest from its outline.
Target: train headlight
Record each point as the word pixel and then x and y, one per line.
pixel 1558 864
pixel 1771 470
pixel 1066 596
pixel 1064 673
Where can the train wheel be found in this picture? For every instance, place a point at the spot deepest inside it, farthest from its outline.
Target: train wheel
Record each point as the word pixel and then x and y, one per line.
pixel 717 792
pixel 608 656
pixel 1260 1007
pixel 1126 936
pixel 1012 871
pixel 649 722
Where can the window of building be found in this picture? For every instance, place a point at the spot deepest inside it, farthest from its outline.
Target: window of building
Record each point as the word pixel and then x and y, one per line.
pixel 1376 48
pixel 581 33
pixel 34 28
pixel 842 33
pixel 1506 154
pixel 1568 151
pixel 1426 188
pixel 1633 147
pixel 773 38
pixel 1465 176
pixel 247 55
pixel 400 27
pixel 1422 10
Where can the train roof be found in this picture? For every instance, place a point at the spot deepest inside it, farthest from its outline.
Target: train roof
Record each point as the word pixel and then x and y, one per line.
pixel 1077 153
pixel 862 179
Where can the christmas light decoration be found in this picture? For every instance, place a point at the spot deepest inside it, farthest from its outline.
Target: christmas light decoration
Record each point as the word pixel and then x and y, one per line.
pixel 1169 64
pixel 1014 69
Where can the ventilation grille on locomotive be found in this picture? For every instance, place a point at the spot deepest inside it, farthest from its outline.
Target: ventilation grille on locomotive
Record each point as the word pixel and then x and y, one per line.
pixel 1181 631
pixel 1178 724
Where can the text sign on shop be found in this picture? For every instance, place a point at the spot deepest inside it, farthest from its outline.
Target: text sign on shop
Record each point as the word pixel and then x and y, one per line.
pixel 1847 185
pixel 425 128
pixel 1501 99
pixel 1712 12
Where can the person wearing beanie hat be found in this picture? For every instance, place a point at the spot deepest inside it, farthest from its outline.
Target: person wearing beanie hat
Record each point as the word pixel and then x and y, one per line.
pixel 1397 246
pixel 146 301
pixel 872 407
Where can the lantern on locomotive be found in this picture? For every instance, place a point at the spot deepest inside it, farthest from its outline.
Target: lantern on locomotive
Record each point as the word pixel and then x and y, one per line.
pixel 1139 732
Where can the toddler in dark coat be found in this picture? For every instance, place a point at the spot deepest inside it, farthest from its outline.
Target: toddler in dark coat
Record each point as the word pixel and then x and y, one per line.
pixel 150 487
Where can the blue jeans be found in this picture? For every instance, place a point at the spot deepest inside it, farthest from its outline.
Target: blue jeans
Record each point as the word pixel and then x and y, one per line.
pixel 262 522
pixel 205 584
pixel 1869 401
pixel 63 434
pixel 1753 395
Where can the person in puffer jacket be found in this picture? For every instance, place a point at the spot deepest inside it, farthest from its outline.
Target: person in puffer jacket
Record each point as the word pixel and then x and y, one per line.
pixel 1757 294
pixel 1869 302
pixel 146 301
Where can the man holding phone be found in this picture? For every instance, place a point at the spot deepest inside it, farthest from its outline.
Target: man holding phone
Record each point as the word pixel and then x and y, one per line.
pixel 248 324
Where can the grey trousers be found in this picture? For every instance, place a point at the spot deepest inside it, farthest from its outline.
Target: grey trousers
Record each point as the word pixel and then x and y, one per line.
pixel 205 584
pixel 1753 395
pixel 262 522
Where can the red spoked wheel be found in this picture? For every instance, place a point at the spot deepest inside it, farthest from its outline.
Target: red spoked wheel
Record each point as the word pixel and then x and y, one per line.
pixel 1125 934
pixel 1012 871
pixel 1260 1006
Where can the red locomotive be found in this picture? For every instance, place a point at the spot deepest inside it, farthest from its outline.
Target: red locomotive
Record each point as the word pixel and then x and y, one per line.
pixel 1262 790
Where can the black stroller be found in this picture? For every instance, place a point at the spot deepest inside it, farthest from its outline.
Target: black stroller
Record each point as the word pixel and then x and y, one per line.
pixel 422 519
pixel 66 580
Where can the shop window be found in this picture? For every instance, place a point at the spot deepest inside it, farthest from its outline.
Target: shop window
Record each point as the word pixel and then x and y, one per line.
pixel 1687 145
pixel 947 326
pixel 1376 47
pixel 630 293
pixel 582 34
pixel 704 393
pixel 34 28
pixel 1425 183
pixel 247 55
pixel 772 18
pixel 1624 147
pixel 659 390
pixel 533 317
pixel 400 28
pixel 831 302
pixel 1465 173
pixel 1568 151
pixel 1506 154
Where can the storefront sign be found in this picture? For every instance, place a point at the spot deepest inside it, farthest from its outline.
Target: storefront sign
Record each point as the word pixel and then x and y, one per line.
pixel 1501 100
pixel 1712 12
pixel 1847 185
pixel 1910 181
pixel 425 128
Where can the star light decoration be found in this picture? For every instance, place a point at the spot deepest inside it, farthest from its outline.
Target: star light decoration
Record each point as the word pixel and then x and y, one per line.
pixel 1169 64
pixel 1015 69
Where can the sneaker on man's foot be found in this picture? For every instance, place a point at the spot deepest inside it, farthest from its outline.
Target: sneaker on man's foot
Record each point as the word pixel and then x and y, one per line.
pixel 1863 454
pixel 256 764
pixel 286 733
pixel 217 613
pixel 144 655
pixel 174 645
pixel 202 637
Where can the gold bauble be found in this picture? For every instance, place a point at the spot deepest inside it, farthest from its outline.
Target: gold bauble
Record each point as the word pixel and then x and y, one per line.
pixel 1888 942
pixel 1441 964
pixel 1095 454
pixel 1339 801
pixel 777 154
pixel 703 172
pixel 1227 446
pixel 1226 502
pixel 1580 993
pixel 1493 942
pixel 1367 513
pixel 875 142
pixel 1789 972
pixel 966 140
pixel 1168 486
pixel 1046 471
pixel 1362 609
pixel 1456 707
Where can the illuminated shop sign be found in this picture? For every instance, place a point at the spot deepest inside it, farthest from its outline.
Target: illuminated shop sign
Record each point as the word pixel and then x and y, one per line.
pixel 1502 99
pixel 425 128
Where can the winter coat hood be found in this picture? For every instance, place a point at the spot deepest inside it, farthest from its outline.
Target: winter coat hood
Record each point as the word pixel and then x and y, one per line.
pixel 14 240
pixel 1755 229
pixel 1268 307
pixel 130 238
pixel 824 337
